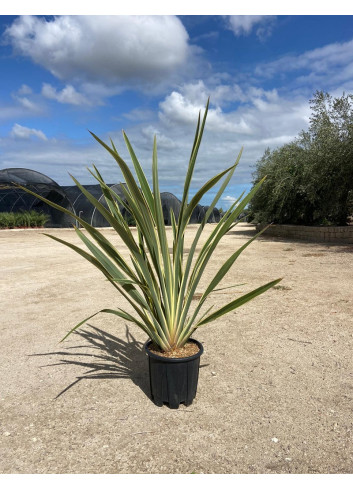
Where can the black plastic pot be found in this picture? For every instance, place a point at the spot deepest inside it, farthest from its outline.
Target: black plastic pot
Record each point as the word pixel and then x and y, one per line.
pixel 173 380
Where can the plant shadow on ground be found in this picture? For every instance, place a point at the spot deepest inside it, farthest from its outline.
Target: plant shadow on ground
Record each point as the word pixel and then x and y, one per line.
pixel 113 358
pixel 242 232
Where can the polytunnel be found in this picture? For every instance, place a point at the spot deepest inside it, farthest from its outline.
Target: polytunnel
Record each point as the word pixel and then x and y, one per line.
pixel 14 199
pixel 97 218
pixel 215 215
pixel 170 201
pixel 82 206
pixel 197 214
pixel 86 210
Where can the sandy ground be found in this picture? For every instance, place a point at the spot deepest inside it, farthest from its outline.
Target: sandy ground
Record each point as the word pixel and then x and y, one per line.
pixel 275 390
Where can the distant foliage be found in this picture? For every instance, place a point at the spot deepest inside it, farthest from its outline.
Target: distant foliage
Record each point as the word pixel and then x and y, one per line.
pixel 22 219
pixel 310 180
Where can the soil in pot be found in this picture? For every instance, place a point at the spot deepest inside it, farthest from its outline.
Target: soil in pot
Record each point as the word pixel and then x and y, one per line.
pixel 188 350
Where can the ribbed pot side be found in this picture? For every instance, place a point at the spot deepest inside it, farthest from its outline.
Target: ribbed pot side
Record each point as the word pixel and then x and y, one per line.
pixel 173 380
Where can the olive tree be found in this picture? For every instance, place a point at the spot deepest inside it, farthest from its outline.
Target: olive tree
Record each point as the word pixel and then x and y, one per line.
pixel 310 180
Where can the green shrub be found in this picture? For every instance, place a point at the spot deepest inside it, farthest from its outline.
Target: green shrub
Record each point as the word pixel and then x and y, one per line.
pixel 310 180
pixel 42 219
pixel 7 219
pixel 22 219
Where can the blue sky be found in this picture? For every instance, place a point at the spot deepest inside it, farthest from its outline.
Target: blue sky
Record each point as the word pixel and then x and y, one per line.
pixel 64 75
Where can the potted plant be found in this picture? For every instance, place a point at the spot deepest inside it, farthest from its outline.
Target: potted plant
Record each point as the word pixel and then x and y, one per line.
pixel 160 284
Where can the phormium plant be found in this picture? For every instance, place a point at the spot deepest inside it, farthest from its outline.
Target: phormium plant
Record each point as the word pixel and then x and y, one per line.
pixel 159 285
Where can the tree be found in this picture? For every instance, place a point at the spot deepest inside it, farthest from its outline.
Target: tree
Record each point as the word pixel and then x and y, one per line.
pixel 310 180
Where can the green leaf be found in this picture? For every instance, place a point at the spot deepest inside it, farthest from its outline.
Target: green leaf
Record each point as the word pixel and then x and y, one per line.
pixel 124 315
pixel 146 190
pixel 227 266
pixel 238 302
pixel 190 171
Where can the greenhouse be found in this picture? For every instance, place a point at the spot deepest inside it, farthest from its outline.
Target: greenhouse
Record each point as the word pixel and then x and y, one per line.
pixel 197 214
pixel 83 207
pixel 170 201
pixel 215 215
pixel 97 219
pixel 14 199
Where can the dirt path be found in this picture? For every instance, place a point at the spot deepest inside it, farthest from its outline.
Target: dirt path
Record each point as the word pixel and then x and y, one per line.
pixel 275 389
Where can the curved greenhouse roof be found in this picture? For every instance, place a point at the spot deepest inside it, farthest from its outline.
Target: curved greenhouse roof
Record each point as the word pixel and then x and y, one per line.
pixel 89 213
pixel 97 219
pixel 85 209
pixel 14 199
pixel 170 201
pixel 82 206
pixel 197 214
pixel 24 176
pixel 215 215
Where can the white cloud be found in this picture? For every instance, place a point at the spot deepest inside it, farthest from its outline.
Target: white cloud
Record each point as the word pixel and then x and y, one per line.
pixel 139 114
pixel 221 93
pixel 256 120
pixel 242 25
pixel 228 199
pixel 162 141
pixel 176 108
pixel 58 158
pixel 128 53
pixel 183 108
pixel 250 117
pixel 112 49
pixel 22 132
pixel 68 95
pixel 21 108
pixel 27 104
pixel 329 65
pixel 25 90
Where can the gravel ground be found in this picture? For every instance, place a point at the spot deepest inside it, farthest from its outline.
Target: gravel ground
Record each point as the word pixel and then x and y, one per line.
pixel 275 390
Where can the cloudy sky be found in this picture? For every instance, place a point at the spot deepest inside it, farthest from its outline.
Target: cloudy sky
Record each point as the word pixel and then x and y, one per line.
pixel 64 75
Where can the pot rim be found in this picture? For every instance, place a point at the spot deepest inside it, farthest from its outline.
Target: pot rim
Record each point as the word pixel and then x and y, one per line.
pixel 174 360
